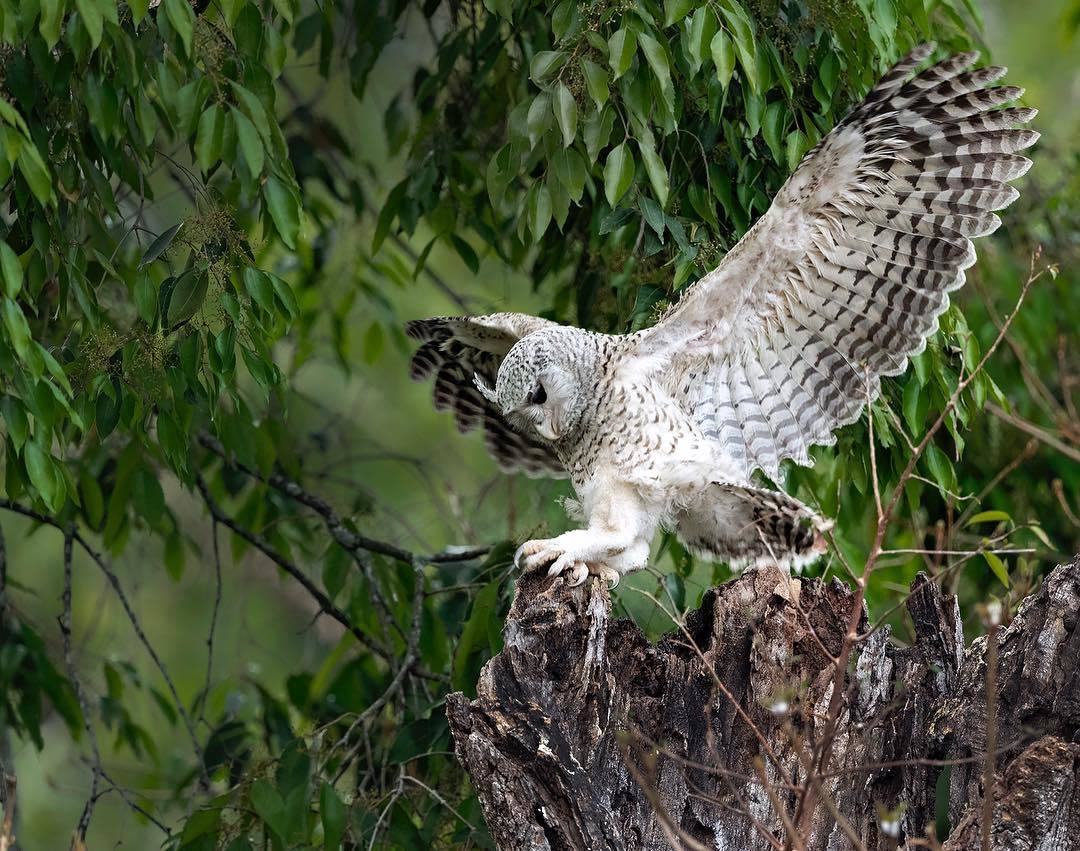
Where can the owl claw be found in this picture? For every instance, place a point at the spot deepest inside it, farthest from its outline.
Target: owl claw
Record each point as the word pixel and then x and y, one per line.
pixel 578 574
pixel 609 575
pixel 564 561
pixel 534 554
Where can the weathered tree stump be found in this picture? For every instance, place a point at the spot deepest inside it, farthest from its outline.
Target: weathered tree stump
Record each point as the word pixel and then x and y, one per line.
pixel 586 736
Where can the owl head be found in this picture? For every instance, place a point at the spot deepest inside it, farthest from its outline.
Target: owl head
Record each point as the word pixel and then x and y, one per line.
pixel 538 385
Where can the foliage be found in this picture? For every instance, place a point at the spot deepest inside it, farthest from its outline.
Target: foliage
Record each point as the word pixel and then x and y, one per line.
pixel 172 200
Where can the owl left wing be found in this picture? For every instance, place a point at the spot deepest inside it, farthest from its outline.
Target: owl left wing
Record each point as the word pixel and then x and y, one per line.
pixel 456 348
pixel 844 277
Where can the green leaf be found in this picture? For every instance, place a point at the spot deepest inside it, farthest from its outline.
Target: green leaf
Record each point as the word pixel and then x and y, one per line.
pixel 569 169
pixel 160 244
pixel 566 114
pixel 723 56
pixel 914 408
pixel 11 271
pixel 43 475
pixel 35 172
pixel 182 19
pixel 52 16
pixel 657 57
pixel 1040 533
pixel 251 145
pixel 700 34
pixel 285 296
pixel 149 497
pixel 597 132
pixel 252 107
pixel 334 815
pixel 139 8
pixel 146 299
pixel 654 217
pixel 259 288
pixel 563 18
pixel 745 46
pixel 829 72
pixel 93 501
pixel 989 517
pixel 656 170
pixel 539 118
pixel 676 10
pixel 14 413
pixel 941 469
pixel 618 173
pixel 209 137
pixel 270 807
pixel 998 567
pixel 91 18
pixel 545 63
pixel 772 127
pixel 284 209
pixel 621 47
pixel 538 208
pixel 18 330
pixel 465 252
pixel 186 298
pixel 596 81
pixel 797 145
pixel 106 414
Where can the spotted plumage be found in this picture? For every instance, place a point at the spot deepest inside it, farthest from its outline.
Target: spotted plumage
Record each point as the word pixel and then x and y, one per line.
pixel 838 284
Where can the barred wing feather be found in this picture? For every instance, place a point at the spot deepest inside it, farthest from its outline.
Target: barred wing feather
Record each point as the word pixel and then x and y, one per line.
pixel 453 349
pixel 845 276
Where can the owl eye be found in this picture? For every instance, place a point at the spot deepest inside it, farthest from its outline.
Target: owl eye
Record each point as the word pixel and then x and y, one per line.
pixel 538 396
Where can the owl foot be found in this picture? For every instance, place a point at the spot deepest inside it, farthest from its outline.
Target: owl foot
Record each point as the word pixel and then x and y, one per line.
pixel 579 571
pixel 533 555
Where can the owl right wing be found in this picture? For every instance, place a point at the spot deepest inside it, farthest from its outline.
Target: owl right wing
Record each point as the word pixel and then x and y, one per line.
pixel 456 348
pixel 844 277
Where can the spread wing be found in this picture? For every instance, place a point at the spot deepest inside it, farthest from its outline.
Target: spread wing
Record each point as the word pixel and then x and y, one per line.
pixel 844 277
pixel 454 349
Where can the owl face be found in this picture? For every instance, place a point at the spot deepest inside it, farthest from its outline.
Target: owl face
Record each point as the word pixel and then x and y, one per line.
pixel 536 390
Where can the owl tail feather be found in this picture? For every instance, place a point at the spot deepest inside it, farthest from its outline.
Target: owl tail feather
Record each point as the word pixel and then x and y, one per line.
pixel 747 526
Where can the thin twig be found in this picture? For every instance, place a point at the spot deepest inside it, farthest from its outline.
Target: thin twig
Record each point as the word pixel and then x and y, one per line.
pixel 1039 434
pixel 213 619
pixel 79 839
pixel 991 728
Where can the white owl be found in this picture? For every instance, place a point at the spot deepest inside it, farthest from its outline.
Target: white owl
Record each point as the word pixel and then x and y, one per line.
pixel 838 284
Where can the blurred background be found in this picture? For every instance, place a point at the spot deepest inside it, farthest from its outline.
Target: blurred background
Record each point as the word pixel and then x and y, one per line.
pixel 371 440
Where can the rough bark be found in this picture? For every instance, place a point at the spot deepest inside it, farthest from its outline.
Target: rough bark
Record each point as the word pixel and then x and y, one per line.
pixel 584 735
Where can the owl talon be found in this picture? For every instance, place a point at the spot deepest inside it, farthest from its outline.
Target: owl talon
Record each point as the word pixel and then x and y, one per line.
pixel 533 554
pixel 561 563
pixel 578 574
pixel 609 575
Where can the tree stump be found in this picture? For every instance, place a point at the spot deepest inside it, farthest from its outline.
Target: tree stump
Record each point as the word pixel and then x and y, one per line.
pixel 584 735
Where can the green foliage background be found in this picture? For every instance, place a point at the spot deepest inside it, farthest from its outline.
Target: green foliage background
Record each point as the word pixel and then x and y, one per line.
pixel 215 219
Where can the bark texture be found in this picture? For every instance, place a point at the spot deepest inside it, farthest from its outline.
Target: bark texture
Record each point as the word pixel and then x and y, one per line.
pixel 584 735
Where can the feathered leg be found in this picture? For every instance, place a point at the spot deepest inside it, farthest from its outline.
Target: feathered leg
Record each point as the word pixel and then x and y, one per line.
pixel 744 525
pixel 615 542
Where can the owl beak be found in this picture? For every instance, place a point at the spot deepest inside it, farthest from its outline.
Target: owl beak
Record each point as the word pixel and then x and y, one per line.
pixel 547 431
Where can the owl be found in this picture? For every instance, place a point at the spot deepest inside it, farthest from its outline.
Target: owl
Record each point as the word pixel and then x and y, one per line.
pixel 839 283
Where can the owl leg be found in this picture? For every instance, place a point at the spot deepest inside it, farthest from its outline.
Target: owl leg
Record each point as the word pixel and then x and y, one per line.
pixel 745 525
pixel 615 542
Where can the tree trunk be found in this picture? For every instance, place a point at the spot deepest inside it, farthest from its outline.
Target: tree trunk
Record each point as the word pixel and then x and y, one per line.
pixel 586 736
